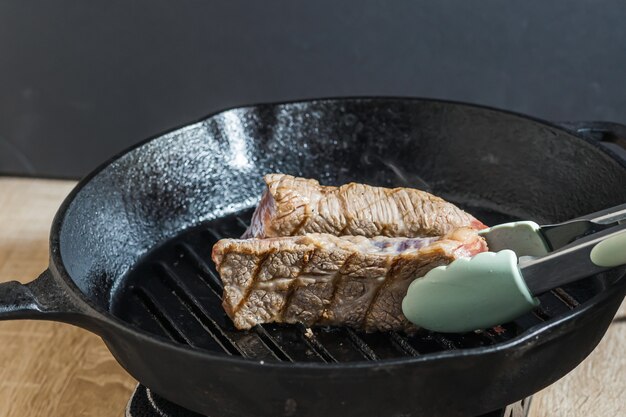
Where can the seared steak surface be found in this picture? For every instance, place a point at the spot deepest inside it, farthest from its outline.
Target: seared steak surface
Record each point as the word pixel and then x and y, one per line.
pixel 297 206
pixel 336 280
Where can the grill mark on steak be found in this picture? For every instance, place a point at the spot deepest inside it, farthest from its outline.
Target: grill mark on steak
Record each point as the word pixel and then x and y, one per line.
pixel 293 285
pixel 253 281
pixel 383 315
pixel 400 196
pixel 336 280
pixel 387 278
pixel 344 208
pixel 305 218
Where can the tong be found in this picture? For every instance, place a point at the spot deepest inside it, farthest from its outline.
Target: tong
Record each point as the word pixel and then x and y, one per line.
pixel 525 260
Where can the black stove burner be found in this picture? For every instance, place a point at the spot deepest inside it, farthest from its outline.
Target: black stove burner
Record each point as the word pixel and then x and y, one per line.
pixel 145 403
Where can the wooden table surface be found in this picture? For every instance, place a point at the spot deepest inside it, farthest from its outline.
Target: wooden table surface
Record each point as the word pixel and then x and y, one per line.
pixel 50 369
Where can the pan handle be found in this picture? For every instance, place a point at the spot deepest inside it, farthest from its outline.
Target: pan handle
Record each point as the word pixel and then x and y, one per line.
pixel 42 299
pixel 610 135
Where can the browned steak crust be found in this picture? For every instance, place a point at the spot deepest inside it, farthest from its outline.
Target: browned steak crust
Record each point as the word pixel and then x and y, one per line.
pixel 324 279
pixel 296 206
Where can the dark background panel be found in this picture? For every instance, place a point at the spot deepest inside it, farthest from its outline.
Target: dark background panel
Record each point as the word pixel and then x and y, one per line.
pixel 80 81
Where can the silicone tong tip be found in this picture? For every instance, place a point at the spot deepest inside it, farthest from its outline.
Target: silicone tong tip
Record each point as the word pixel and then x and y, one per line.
pixel 469 294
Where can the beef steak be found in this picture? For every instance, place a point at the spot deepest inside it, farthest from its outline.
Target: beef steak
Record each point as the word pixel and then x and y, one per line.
pixel 331 280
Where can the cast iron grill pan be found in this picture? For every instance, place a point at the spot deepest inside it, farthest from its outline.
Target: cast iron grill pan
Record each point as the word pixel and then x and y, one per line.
pixel 134 238
pixel 175 292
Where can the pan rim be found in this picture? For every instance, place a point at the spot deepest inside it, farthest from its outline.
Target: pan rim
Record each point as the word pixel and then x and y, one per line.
pixel 58 267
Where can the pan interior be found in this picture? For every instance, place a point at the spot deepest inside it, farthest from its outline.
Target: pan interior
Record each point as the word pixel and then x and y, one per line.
pixel 175 292
pixel 130 216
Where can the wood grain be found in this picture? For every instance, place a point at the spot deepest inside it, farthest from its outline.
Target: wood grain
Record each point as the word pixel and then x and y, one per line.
pixel 50 369
pixel 597 387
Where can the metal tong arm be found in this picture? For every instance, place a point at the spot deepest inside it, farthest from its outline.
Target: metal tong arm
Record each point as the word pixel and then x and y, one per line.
pixel 584 257
pixel 562 234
